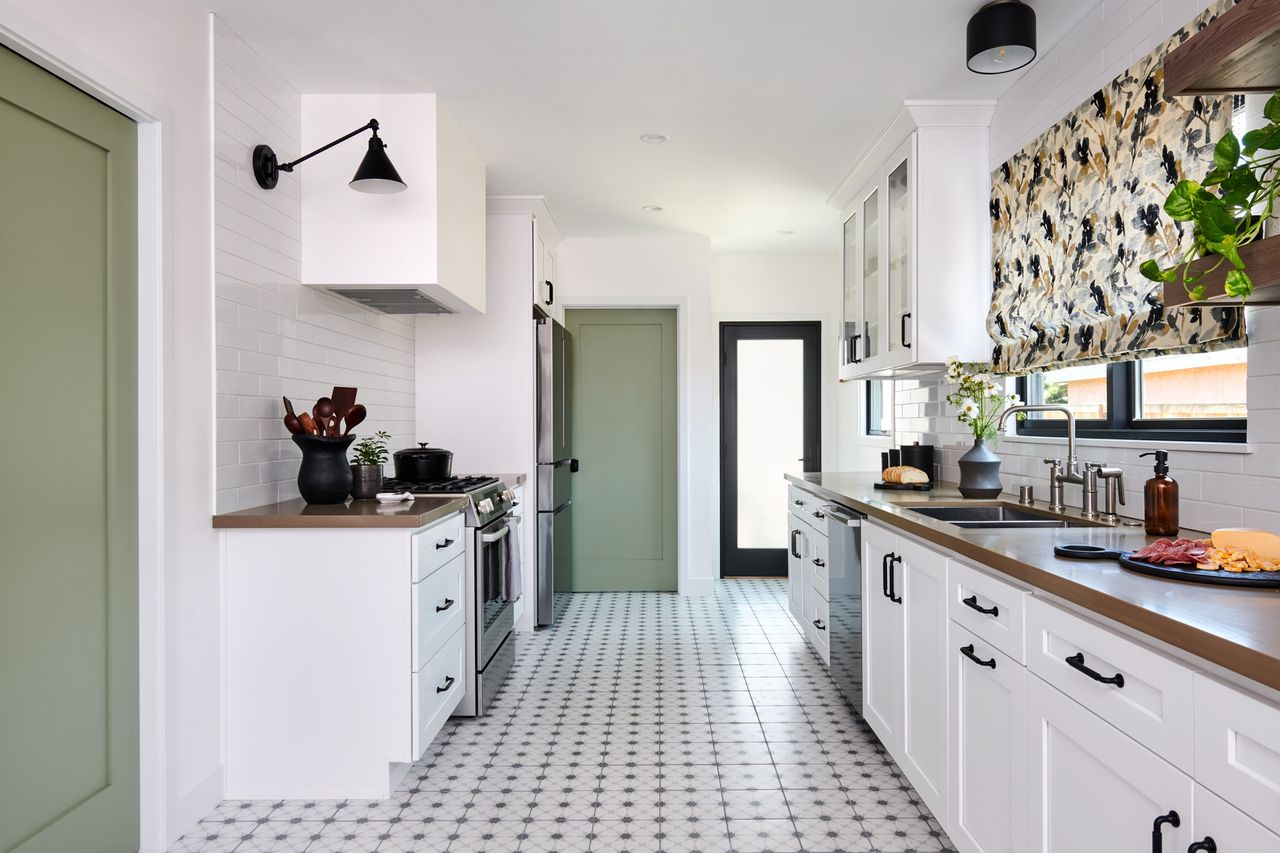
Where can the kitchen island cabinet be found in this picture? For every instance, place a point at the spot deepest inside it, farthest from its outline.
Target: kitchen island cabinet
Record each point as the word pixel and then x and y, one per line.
pixel 345 649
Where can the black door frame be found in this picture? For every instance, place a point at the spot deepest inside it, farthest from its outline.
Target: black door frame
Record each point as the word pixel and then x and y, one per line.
pixel 762 562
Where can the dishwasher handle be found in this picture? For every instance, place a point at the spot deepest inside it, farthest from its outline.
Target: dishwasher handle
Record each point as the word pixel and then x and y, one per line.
pixel 846 516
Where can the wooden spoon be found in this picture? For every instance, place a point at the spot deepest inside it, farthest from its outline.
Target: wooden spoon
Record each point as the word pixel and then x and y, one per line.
pixel 308 423
pixel 354 417
pixel 292 424
pixel 322 410
pixel 343 399
pixel 288 407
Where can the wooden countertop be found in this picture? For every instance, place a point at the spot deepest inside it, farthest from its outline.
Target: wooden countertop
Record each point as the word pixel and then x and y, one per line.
pixel 368 515
pixel 1238 629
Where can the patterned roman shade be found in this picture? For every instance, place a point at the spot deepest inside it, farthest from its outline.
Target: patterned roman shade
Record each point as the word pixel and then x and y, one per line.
pixel 1076 211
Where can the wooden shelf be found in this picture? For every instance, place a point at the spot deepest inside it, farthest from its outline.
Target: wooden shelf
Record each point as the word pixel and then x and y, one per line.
pixel 1239 52
pixel 1262 263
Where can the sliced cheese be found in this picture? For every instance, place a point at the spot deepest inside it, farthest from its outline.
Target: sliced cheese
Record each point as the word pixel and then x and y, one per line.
pixel 1263 543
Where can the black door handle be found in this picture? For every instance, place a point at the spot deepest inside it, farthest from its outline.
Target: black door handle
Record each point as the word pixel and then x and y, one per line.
pixel 819 563
pixel 893 558
pixel 853 349
pixel 967 651
pixel 448 682
pixel 551 293
pixel 1157 839
pixel 795 551
pixel 972 602
pixel 1076 662
pixel 440 546
pixel 448 602
pixel 1208 845
pixel 817 623
pixel 903 330
pixel 884 575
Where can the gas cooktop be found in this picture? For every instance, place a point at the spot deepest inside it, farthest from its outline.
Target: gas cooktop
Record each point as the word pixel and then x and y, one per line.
pixel 451 486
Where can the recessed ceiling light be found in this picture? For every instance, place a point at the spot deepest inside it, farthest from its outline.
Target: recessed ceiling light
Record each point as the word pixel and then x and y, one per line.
pixel 654 138
pixel 651 208
pixel 786 232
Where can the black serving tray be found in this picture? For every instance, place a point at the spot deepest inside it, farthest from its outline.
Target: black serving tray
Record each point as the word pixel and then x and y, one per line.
pixel 904 487
pixel 1249 580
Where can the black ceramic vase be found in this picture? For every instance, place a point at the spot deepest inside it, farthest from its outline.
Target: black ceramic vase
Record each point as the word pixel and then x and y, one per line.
pixel 325 474
pixel 980 472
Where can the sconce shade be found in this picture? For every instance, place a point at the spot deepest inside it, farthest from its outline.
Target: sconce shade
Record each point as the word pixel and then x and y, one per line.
pixel 376 173
pixel 1001 37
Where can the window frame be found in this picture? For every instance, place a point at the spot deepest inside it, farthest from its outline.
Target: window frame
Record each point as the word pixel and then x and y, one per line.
pixel 1122 421
pixel 868 409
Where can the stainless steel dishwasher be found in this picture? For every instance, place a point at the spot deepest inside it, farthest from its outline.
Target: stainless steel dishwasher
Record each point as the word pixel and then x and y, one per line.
pixel 844 538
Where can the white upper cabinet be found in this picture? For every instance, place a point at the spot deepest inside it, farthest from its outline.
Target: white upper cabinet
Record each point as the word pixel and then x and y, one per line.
pixel 917 244
pixel 383 249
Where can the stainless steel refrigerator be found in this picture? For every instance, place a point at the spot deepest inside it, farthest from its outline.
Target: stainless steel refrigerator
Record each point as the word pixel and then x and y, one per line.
pixel 556 465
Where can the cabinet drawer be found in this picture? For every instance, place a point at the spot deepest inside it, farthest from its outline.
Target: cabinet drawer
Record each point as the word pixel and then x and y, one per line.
pixel 1230 828
pixel 434 547
pixel 819 572
pixel 437 689
pixel 817 624
pixel 438 608
pixel 804 505
pixel 1237 750
pixel 990 608
pixel 1151 702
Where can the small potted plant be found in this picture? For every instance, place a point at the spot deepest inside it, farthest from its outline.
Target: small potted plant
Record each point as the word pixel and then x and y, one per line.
pixel 366 471
pixel 979 400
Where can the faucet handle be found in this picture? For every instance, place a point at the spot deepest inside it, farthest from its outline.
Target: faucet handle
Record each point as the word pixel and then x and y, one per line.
pixel 1057 463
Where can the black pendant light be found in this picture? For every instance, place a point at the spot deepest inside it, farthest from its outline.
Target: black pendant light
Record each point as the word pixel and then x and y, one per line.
pixel 375 175
pixel 1001 37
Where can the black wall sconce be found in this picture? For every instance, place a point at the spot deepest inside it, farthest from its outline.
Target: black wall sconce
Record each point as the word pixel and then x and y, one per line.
pixel 375 175
pixel 1001 37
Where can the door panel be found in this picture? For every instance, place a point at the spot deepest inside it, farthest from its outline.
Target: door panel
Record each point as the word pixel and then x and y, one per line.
pixel 901 281
pixel 68 581
pixel 872 341
pixel 882 639
pixel 623 423
pixel 924 720
pixel 770 424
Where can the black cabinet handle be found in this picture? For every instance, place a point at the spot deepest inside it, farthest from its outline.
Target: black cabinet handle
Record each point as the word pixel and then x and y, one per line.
pixel 448 602
pixel 819 563
pixel 967 651
pixel 795 550
pixel 1207 846
pixel 817 623
pixel 853 349
pixel 884 575
pixel 1076 662
pixel 817 514
pixel 798 502
pixel 551 293
pixel 448 682
pixel 893 558
pixel 903 330
pixel 1157 839
pixel 440 546
pixel 972 602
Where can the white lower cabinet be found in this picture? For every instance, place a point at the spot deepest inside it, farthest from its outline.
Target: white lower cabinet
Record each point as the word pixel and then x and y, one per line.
pixel 1237 749
pixel 796 575
pixel 1219 827
pixel 988 708
pixel 882 640
pixel 1093 788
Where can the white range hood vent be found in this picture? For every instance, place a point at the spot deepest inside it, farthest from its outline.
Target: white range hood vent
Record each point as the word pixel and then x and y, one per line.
pixel 393 300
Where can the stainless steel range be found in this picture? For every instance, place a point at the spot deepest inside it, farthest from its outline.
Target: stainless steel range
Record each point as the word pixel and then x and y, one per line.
pixel 493 556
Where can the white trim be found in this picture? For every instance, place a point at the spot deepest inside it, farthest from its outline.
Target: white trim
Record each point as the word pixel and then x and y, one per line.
pixel 63 59
pixel 1198 446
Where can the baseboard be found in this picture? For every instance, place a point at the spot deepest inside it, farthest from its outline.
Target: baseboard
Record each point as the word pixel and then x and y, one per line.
pixel 188 809
pixel 698 586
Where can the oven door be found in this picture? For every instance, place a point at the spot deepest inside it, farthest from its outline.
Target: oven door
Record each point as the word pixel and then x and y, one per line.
pixel 495 545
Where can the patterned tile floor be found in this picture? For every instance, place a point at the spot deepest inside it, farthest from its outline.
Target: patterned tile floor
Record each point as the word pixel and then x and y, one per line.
pixel 642 722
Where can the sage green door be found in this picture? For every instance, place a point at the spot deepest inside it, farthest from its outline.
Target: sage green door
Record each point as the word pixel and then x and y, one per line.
pixel 623 403
pixel 68 508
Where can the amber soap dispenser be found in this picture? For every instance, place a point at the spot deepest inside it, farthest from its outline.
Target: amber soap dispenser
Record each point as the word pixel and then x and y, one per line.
pixel 1161 494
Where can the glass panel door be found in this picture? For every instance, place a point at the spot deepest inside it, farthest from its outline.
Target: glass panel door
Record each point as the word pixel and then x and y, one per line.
pixel 872 343
pixel 850 353
pixel 900 296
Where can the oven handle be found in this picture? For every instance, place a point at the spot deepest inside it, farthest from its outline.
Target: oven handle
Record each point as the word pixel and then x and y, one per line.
pixel 488 538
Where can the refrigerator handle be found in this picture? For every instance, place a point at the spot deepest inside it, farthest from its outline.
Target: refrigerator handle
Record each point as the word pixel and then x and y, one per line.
pixel 574 465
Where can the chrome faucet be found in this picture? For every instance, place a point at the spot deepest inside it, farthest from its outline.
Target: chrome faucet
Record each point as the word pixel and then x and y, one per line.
pixel 1058 473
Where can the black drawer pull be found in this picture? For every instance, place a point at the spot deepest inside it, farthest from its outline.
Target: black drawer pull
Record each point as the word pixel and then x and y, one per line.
pixel 1157 839
pixel 817 514
pixel 884 575
pixel 893 558
pixel 817 623
pixel 1207 846
pixel 798 502
pixel 448 683
pixel 967 651
pixel 1076 662
pixel 972 603
pixel 448 602
pixel 795 549
pixel 819 563
pixel 440 546
pixel 903 330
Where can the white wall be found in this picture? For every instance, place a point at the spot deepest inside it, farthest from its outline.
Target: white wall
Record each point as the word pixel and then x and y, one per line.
pixel 155 53
pixel 666 272
pixel 274 337
pixel 1222 487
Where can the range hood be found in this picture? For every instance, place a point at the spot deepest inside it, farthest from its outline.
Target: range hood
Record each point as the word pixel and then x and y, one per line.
pixel 394 300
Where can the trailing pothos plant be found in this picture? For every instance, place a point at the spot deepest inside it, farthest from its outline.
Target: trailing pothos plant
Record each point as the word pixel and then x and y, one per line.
pixel 1227 209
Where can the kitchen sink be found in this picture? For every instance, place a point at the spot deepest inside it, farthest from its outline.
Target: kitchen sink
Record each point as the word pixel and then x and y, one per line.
pixel 997 517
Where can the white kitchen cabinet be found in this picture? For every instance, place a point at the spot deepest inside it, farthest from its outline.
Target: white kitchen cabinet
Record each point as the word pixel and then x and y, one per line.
pixel 796 575
pixel 916 244
pixel 545 238
pixel 923 576
pixel 1237 749
pixel 1220 827
pixel 987 704
pixel 882 639
pixel 1093 788
pixel 383 249
pixel 989 607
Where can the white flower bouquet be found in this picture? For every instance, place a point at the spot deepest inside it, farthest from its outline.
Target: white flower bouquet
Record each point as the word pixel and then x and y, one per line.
pixel 979 399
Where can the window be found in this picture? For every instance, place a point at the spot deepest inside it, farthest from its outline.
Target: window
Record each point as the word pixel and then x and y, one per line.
pixel 1198 397
pixel 879 416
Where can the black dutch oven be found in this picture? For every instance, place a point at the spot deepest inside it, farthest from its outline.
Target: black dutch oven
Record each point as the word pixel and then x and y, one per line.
pixel 423 464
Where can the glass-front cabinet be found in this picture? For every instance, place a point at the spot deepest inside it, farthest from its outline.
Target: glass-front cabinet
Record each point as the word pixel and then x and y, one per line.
pixel 872 322
pixel 901 283
pixel 851 325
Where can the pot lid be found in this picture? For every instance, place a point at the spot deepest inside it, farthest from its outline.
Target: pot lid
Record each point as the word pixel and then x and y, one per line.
pixel 422 451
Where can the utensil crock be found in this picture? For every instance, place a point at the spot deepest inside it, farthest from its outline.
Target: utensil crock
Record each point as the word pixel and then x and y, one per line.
pixel 325 475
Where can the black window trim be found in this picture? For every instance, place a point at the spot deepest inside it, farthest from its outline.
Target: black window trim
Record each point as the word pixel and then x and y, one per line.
pixel 866 421
pixel 1121 423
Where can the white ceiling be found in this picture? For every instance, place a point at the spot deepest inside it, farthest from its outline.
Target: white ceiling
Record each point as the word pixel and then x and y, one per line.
pixel 768 103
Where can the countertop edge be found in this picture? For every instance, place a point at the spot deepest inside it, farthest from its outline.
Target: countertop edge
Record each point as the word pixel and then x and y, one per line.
pixel 406 520
pixel 1244 661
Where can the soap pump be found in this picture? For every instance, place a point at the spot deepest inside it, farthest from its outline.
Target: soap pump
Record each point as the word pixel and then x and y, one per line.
pixel 1161 495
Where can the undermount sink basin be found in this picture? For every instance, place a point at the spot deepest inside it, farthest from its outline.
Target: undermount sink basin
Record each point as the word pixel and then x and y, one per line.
pixel 997 517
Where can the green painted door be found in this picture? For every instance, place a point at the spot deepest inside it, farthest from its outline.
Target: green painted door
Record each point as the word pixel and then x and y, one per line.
pixel 68 509
pixel 623 404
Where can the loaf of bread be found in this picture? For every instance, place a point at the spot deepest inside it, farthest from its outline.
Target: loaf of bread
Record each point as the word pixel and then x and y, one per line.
pixel 904 474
